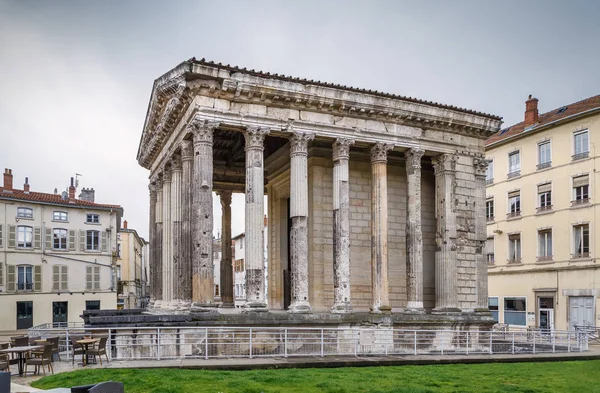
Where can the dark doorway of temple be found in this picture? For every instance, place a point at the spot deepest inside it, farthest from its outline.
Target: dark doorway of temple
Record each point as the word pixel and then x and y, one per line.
pixel 287 272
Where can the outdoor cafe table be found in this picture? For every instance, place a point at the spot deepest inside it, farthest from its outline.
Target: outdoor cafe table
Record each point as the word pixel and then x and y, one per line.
pixel 85 343
pixel 21 351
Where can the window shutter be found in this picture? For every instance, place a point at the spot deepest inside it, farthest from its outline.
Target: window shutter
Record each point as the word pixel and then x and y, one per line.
pixel 55 278
pixel 10 279
pixel 514 194
pixel 64 278
pixel 82 240
pixel 37 237
pixel 104 242
pixel 72 240
pixel 1 237
pixel 88 277
pixel 37 278
pixel 580 181
pixel 489 246
pixel 1 273
pixel 96 277
pixel 544 187
pixel 48 238
pixel 12 236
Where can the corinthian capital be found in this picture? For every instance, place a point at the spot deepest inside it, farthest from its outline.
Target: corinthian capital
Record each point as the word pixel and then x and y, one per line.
pixel 299 143
pixel 341 148
pixel 175 162
pixel 152 190
pixel 159 183
pixel 255 137
pixel 481 166
pixel 202 131
pixel 444 162
pixel 413 158
pixel 166 173
pixel 187 150
pixel 379 152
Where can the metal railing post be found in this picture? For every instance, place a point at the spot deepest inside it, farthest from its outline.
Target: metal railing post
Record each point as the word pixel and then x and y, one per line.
pixel 285 343
pixel 250 343
pixel 158 343
pixel 355 343
pixel 533 342
pixel 206 343
pixel 443 338
pixel 513 343
pixel 467 349
pixel 415 342
pixel 110 347
pixel 491 342
pixel 322 345
pixel 68 344
pixel 569 342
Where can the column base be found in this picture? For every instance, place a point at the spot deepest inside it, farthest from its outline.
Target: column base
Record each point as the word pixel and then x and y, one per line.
pixel 158 304
pixel 446 310
pixel 197 307
pixel 410 310
pixel 227 305
pixel 255 307
pixel 485 311
pixel 342 308
pixel 381 310
pixel 184 306
pixel 300 307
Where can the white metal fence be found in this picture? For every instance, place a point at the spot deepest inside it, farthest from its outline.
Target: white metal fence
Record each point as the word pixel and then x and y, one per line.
pixel 125 343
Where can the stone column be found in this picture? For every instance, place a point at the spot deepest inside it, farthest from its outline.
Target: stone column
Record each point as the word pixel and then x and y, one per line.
pixel 481 268
pixel 341 227
pixel 226 268
pixel 255 193
pixel 202 215
pixel 414 234
pixel 185 260
pixel 446 289
pixel 152 233
pixel 176 179
pixel 167 253
pixel 299 216
pixel 158 245
pixel 379 225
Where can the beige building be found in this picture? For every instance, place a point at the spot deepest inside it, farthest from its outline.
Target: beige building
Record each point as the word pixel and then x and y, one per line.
pixel 541 207
pixel 56 255
pixel 131 286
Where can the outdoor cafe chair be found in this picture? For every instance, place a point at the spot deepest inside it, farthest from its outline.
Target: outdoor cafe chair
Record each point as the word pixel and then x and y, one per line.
pixel 43 359
pixel 21 341
pixel 55 349
pixel 100 350
pixel 76 349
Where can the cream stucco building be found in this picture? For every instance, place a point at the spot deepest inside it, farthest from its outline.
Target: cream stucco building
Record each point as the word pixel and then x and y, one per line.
pixel 131 288
pixel 541 210
pixel 56 255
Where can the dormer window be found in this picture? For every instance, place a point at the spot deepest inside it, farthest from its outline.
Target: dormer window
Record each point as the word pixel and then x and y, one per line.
pixel 24 212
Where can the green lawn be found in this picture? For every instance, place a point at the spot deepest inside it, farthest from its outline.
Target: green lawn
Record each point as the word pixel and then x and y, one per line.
pixel 574 376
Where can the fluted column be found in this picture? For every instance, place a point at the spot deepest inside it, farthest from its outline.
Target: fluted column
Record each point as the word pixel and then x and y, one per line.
pixel 414 234
pixel 481 268
pixel 202 214
pixel 185 260
pixel 167 251
pixel 254 255
pixel 226 267
pixel 299 215
pixel 176 176
pixel 341 227
pixel 152 233
pixel 158 245
pixel 379 223
pixel 446 275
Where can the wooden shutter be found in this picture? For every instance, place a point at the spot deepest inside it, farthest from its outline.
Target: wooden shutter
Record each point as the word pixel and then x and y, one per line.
pixel 37 278
pixel 580 181
pixel 10 278
pixel 544 187
pixel 72 240
pixel 82 240
pixel 514 193
pixel 104 242
pixel 1 236
pixel 37 237
pixel 96 277
pixel 55 278
pixel 48 238
pixel 12 236
pixel 88 277
pixel 64 278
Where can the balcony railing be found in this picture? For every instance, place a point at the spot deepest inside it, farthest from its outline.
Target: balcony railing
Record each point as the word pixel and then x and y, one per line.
pixel 545 258
pixel 580 202
pixel 580 156
pixel 514 261
pixel 514 174
pixel 513 215
pixel 489 181
pixel 579 255
pixel 544 165
pixel 490 259
pixel 489 218
pixel 544 209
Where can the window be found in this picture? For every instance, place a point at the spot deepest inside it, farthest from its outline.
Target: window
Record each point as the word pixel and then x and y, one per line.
pixel 60 278
pixel 92 219
pixel 119 250
pixel 544 155
pixel 25 278
pixel 514 248
pixel 515 310
pixel 60 216
pixel 92 277
pixel 92 304
pixel 581 145
pixel 241 242
pixel 489 209
pixel 545 245
pixel 24 212
pixel 92 240
pixel 514 164
pixel 544 197
pixel 489 250
pixel 581 241
pixel 514 204
pixel 24 237
pixel 216 289
pixel 489 174
pixel 493 307
pixel 580 190
pixel 60 239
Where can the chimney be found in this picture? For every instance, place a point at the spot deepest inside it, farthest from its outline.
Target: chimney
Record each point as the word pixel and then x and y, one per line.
pixel 26 186
pixel 8 178
pixel 125 224
pixel 72 189
pixel 87 194
pixel 531 112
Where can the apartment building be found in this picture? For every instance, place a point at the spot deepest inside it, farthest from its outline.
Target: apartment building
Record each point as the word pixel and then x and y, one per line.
pixel 56 255
pixel 239 268
pixel 541 210
pixel 132 282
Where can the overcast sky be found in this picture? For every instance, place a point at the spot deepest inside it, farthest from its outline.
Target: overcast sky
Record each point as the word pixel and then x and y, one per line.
pixel 76 76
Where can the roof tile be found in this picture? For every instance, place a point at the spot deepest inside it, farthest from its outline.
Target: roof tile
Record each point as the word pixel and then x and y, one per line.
pixel 51 198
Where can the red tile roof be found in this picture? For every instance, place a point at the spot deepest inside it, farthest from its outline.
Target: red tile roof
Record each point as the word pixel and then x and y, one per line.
pixel 54 199
pixel 546 118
